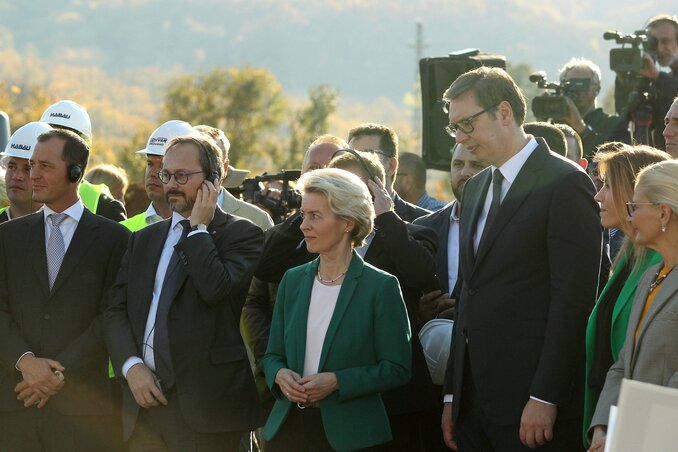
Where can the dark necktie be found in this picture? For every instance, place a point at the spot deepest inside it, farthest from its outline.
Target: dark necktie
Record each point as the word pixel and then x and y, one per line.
pixel 161 347
pixel 497 179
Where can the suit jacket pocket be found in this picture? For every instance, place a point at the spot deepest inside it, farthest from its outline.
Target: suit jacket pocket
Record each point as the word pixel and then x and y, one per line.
pixel 229 354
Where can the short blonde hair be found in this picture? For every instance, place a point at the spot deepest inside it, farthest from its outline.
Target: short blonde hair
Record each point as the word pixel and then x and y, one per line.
pixel 347 197
pixel 659 182
pixel 114 177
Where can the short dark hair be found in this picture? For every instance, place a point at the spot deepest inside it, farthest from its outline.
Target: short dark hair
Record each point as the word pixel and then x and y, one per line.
pixel 76 149
pixel 209 154
pixel 490 86
pixel 415 166
pixel 387 137
pixel 554 137
pixel 569 132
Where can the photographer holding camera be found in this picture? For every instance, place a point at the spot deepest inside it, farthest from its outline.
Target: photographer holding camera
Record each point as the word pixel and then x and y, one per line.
pixel 656 80
pixel 581 78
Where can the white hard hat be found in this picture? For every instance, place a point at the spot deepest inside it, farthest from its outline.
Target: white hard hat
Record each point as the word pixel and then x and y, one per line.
pixel 22 142
pixel 436 337
pixel 164 133
pixel 67 113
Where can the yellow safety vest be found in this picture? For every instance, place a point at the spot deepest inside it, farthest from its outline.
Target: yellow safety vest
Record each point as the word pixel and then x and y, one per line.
pixel 136 222
pixel 90 193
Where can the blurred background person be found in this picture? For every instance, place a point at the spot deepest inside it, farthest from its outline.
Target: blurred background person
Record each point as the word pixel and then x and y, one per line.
pixel 350 345
pixel 671 129
pixel 575 151
pixel 553 136
pixel 649 353
pixel 114 177
pixel 606 329
pixel 410 182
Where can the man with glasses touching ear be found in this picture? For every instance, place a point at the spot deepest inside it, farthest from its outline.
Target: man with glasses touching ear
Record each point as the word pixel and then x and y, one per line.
pixel 172 326
pixel 530 247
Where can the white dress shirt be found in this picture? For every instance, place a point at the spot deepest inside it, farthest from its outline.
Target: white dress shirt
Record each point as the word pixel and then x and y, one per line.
pixel 453 248
pixel 151 215
pixel 362 250
pixel 321 307
pixel 509 170
pixel 172 239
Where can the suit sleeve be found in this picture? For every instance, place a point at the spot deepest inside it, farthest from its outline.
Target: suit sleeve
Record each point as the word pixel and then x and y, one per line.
pixel 12 344
pixel 392 337
pixel 111 208
pixel 118 331
pixel 88 344
pixel 255 321
pixel 574 240
pixel 275 357
pixel 222 263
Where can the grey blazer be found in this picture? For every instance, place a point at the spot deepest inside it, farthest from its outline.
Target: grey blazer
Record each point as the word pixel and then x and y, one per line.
pixel 653 358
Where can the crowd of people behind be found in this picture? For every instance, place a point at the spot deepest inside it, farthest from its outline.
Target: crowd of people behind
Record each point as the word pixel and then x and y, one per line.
pixel 195 323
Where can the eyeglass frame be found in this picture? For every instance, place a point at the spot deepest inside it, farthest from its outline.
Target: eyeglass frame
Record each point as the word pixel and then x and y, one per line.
pixel 185 174
pixel 631 206
pixel 354 153
pixel 451 129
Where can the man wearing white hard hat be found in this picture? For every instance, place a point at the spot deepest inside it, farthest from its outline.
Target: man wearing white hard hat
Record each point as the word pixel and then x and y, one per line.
pixel 18 151
pixel 228 202
pixel 72 116
pixel 154 151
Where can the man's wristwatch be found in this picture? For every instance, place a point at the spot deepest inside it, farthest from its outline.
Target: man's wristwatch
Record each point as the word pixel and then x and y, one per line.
pixel 199 227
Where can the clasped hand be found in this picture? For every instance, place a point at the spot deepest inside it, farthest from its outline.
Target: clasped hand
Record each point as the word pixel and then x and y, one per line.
pixel 39 381
pixel 310 389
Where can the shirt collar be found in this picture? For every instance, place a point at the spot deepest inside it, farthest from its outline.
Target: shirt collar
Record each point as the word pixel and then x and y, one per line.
pixel 454 215
pixel 176 218
pixel 512 166
pixel 74 212
pixel 150 212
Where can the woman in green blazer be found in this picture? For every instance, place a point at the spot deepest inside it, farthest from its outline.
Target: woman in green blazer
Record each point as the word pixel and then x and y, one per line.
pixel 339 334
pixel 618 166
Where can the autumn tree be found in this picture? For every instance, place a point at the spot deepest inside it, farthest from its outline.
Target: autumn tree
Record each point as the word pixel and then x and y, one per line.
pixel 247 104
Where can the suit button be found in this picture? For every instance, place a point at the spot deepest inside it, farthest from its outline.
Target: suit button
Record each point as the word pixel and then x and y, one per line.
pixel 47 317
pixel 472 291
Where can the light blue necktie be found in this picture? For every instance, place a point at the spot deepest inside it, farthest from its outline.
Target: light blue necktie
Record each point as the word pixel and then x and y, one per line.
pixel 56 249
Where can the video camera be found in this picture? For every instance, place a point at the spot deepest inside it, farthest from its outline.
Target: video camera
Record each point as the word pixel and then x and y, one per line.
pixel 253 191
pixel 554 104
pixel 630 59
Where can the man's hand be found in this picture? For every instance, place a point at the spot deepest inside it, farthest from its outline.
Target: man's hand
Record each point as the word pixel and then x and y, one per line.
pixel 573 118
pixel 536 423
pixel 447 424
pixel 649 69
pixel 289 383
pixel 319 386
pixel 205 203
pixel 38 373
pixel 29 396
pixel 142 383
pixel 382 200
pixel 436 304
pixel 598 440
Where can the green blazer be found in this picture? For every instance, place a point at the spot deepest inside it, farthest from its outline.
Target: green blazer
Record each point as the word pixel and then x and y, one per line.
pixel 620 320
pixel 367 346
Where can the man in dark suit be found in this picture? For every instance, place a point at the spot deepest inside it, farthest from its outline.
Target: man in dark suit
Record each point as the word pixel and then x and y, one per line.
pixel 530 256
pixel 172 324
pixel 383 141
pixel 56 266
pixel 445 222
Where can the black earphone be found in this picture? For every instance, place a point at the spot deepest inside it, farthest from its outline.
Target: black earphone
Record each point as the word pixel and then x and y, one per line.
pixel 74 172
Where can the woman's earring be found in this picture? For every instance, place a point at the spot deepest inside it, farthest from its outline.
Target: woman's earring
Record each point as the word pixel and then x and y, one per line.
pixel 663 228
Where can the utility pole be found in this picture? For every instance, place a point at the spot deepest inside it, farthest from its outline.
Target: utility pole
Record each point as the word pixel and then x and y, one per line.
pixel 419 46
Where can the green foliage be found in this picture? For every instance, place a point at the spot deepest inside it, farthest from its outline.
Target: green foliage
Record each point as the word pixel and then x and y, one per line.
pixel 247 104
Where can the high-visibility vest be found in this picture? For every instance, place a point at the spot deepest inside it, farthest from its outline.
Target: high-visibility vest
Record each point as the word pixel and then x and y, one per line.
pixel 90 193
pixel 3 209
pixel 136 222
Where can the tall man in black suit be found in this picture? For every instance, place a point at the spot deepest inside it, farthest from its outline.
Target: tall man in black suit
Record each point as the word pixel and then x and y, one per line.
pixel 445 222
pixel 56 266
pixel 172 324
pixel 530 256
pixel 383 141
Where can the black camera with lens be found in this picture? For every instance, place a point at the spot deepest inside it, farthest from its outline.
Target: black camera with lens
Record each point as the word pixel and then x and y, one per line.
pixel 254 191
pixel 630 59
pixel 554 105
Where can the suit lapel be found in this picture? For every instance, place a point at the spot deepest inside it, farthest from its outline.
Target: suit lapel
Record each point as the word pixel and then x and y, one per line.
pixel 473 202
pixel 443 231
pixel 304 294
pixel 665 292
pixel 84 236
pixel 354 272
pixel 517 194
pixel 151 247
pixel 38 253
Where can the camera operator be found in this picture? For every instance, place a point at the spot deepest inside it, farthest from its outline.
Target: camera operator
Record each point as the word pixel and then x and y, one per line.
pixel 593 125
pixel 662 85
